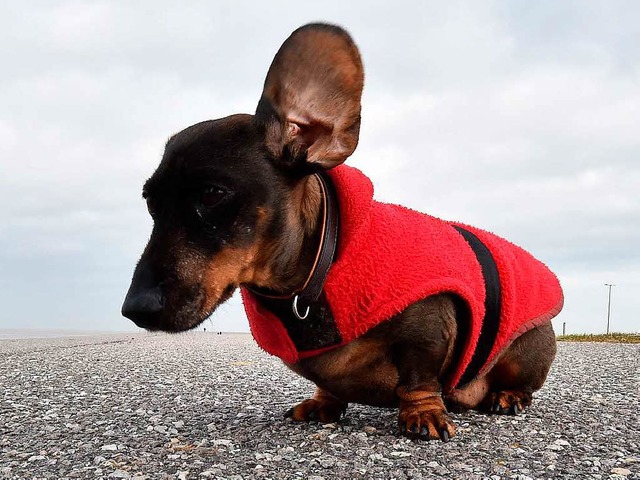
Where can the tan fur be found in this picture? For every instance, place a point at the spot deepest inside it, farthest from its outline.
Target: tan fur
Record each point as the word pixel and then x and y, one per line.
pixel 229 267
pixel 307 203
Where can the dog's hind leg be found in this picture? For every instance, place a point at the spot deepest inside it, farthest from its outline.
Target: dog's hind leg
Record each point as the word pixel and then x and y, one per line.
pixel 508 387
pixel 520 371
pixel 323 407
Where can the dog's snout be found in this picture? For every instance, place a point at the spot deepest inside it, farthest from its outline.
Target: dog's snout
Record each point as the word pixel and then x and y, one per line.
pixel 143 306
pixel 145 300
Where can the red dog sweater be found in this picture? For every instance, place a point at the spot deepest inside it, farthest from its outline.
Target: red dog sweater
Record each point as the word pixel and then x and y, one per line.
pixel 390 257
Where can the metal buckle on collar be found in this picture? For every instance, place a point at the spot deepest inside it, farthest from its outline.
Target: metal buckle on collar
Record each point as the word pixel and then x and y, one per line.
pixel 295 309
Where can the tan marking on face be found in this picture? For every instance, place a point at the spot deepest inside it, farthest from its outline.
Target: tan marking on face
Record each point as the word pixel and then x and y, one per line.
pixel 232 266
pixel 236 266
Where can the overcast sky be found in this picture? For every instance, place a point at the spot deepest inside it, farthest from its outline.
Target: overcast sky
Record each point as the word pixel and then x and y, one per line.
pixel 520 117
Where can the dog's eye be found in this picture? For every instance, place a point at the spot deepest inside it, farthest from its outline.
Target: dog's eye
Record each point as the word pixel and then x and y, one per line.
pixel 211 196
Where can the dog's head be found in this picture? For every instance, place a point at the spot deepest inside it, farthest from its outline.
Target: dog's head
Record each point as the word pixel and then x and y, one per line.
pixel 233 199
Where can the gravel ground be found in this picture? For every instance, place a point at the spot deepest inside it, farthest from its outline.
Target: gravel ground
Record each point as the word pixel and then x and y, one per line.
pixel 202 405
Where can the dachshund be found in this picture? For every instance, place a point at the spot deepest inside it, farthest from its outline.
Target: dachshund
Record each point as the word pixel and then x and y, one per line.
pixel 374 303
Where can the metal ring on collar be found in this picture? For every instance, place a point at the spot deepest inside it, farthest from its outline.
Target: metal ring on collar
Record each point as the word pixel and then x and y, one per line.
pixel 296 312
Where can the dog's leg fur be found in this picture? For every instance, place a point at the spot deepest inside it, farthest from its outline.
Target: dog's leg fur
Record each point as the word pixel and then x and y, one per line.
pixel 422 352
pixel 521 370
pixel 508 387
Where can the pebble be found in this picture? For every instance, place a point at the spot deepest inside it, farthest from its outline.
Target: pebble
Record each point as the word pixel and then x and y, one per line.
pixel 119 474
pixel 621 471
pixel 326 461
pixel 400 454
pixel 555 447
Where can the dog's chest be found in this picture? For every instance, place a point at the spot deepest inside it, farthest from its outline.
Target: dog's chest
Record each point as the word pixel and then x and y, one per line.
pixel 315 332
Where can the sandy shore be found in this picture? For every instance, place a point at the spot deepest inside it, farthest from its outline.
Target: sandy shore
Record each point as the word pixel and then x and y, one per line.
pixel 203 405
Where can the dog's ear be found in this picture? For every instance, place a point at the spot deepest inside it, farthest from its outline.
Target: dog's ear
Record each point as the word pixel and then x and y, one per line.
pixel 310 105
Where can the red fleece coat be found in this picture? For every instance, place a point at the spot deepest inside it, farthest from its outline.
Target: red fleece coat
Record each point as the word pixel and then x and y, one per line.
pixel 390 257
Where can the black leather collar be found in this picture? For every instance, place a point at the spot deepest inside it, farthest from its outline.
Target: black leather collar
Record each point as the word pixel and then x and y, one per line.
pixel 303 299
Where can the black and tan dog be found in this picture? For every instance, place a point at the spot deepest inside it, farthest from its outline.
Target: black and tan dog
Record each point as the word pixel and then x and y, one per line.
pixel 251 202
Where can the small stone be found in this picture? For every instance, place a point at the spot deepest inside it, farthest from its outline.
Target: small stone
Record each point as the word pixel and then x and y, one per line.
pixel 414 474
pixel 287 453
pixel 160 429
pixel 562 443
pixel 34 458
pixel 182 475
pixel 120 474
pixel 621 471
pixel 400 454
pixel 109 448
pixel 224 442
pixel 99 459
pixel 437 467
pixel 327 462
pixel 554 447
pixel 369 429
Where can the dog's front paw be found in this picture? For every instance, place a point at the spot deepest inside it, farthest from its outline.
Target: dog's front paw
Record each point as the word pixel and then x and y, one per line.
pixel 426 422
pixel 318 409
pixel 423 416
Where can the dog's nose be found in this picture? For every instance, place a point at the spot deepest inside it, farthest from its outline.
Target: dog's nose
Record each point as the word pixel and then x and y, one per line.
pixel 143 306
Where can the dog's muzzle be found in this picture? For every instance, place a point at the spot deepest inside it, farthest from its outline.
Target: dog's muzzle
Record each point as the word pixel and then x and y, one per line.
pixel 145 300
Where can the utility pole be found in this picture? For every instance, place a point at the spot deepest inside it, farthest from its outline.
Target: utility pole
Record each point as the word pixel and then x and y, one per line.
pixel 610 285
